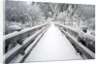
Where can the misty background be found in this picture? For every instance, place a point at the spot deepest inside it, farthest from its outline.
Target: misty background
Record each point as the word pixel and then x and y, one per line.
pixel 23 14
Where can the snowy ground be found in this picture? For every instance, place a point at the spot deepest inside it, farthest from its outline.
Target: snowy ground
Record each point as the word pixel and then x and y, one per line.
pixel 53 46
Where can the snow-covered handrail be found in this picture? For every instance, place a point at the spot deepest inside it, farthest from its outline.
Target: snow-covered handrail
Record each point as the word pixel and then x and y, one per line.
pixel 16 35
pixel 88 53
pixel 80 34
pixel 68 28
pixel 20 49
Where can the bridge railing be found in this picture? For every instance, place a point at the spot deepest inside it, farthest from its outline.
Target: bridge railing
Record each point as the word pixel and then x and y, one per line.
pixel 18 35
pixel 89 40
pixel 81 48
pixel 22 49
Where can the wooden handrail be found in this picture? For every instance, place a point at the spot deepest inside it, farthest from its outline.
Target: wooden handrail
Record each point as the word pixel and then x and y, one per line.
pixel 78 33
pixel 16 35
pixel 88 53
pixel 21 48
pixel 27 52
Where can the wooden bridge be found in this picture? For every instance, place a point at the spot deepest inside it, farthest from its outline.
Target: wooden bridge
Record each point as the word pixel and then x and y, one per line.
pixel 46 42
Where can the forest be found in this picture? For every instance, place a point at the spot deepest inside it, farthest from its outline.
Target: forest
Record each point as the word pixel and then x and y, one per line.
pixel 23 14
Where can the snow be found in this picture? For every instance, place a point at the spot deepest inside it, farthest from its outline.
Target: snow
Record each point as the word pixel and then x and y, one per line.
pixel 53 46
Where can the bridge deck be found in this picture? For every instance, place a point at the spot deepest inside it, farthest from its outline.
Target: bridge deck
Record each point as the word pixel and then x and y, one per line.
pixel 53 46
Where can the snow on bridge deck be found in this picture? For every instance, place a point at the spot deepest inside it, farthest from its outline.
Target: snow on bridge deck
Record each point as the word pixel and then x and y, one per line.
pixel 53 46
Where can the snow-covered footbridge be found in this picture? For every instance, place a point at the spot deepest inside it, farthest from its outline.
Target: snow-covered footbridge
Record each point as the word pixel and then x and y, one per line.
pixel 46 42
